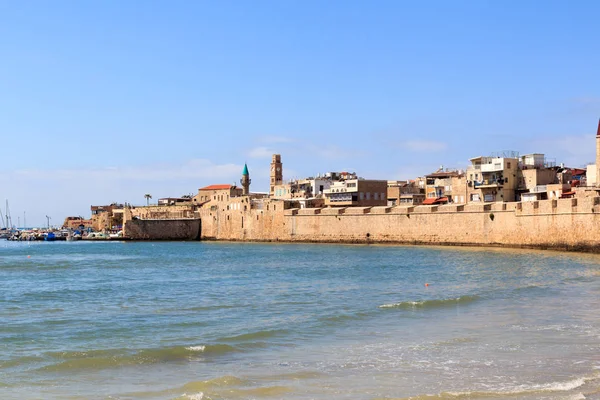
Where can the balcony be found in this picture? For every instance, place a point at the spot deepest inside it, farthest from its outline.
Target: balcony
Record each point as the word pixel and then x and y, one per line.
pixel 493 167
pixel 489 183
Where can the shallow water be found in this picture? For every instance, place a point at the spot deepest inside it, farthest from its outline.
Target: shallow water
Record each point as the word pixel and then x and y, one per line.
pixel 200 320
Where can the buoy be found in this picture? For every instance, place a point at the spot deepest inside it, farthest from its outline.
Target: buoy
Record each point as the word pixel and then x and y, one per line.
pixel 28 256
pixel 427 284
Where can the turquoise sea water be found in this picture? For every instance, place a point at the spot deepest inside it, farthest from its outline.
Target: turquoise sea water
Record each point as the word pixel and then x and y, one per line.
pixel 89 320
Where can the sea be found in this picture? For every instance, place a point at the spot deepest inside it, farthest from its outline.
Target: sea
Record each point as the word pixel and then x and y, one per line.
pixel 219 320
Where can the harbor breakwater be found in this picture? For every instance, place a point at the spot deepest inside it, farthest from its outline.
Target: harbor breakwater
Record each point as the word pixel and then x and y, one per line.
pixel 570 224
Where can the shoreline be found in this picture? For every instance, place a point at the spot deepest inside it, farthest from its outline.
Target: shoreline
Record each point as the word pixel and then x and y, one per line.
pixel 581 248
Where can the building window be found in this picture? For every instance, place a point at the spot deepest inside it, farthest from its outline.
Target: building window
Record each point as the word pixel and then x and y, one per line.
pixel 362 195
pixel 368 195
pixel 382 196
pixel 375 196
pixel 508 165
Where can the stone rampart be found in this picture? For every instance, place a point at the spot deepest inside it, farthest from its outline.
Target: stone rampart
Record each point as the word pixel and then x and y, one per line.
pixel 562 224
pixel 162 229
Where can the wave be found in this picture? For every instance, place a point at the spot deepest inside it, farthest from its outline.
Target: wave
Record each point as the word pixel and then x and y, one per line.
pixel 16 362
pixel 259 392
pixel 515 392
pixel 105 359
pixel 194 390
pixel 341 318
pixel 254 335
pixel 434 303
pixel 220 382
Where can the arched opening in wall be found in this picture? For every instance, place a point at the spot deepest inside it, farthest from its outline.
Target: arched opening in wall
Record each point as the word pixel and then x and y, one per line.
pixel 242 222
pixel 228 218
pixel 257 217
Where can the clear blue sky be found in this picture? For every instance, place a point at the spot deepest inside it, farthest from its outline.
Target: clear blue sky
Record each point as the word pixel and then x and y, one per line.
pixel 104 101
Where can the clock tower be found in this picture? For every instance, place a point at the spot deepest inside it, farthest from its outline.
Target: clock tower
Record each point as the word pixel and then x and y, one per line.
pixel 276 172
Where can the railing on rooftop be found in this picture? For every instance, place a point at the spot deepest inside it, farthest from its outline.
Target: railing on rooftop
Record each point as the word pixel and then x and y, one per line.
pixel 505 154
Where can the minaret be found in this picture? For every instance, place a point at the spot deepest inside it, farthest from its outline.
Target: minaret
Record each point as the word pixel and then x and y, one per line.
pixel 598 154
pixel 245 181
pixel 276 172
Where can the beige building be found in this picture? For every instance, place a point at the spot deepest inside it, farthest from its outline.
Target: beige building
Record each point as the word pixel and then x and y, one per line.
pixel 356 192
pixel 404 193
pixel 216 192
pixel 302 188
pixel 533 183
pixel 107 217
pixel 494 178
pixel 446 187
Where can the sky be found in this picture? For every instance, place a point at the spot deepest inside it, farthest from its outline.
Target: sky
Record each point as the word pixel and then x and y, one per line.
pixel 105 101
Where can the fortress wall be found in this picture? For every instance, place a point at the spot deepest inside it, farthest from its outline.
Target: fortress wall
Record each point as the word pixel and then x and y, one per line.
pixel 163 229
pixel 564 223
pixel 163 211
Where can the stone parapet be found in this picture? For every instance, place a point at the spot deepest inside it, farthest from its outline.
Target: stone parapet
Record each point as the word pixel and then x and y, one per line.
pixel 309 211
pixel 357 210
pixel 498 207
pixel 480 208
pixel 451 208
pixel 381 210
pixel 333 211
pixel 425 209
pixel 402 210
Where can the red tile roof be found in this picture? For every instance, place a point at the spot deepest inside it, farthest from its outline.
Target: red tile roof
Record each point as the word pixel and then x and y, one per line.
pixel 217 187
pixel 439 200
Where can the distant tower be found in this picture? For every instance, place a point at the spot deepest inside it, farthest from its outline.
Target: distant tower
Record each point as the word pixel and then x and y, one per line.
pixel 598 154
pixel 245 181
pixel 276 172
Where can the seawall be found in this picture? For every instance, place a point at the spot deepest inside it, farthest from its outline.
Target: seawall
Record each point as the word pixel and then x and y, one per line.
pixel 162 229
pixel 571 224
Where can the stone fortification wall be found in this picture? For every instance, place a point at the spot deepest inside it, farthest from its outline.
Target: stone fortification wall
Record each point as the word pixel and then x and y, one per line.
pixel 163 229
pixel 163 211
pixel 564 223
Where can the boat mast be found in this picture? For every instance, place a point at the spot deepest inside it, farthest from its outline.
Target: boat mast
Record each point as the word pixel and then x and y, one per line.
pixel 2 217
pixel 8 217
pixel 6 210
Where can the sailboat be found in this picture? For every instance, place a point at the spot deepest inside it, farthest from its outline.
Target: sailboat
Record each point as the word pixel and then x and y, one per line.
pixel 7 231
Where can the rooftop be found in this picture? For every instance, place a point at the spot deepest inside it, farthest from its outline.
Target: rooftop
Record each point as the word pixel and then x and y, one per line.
pixel 218 187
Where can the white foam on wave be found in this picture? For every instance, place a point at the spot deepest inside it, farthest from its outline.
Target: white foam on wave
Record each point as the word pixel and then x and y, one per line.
pixel 563 386
pixel 196 348
pixel 394 305
pixel 195 396
pixel 528 389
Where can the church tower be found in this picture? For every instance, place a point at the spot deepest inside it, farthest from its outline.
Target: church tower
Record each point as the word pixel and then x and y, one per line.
pixel 276 172
pixel 245 181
